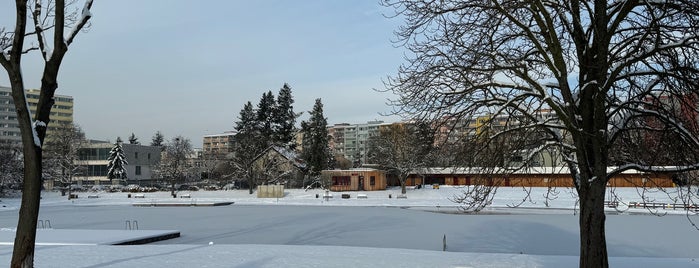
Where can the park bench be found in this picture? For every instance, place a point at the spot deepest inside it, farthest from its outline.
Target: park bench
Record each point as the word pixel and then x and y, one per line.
pixel 139 196
pixel 185 196
pixel 361 196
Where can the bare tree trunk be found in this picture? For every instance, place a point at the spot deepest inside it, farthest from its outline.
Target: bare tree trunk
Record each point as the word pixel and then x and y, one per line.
pixel 23 253
pixel 593 245
pixel 251 179
pixel 172 188
pixel 25 237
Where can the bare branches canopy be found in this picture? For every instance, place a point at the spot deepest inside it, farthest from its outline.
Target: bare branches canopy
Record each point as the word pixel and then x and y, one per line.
pixel 604 70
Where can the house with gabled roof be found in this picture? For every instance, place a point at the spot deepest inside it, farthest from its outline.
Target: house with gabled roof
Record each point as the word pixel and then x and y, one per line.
pixel 279 165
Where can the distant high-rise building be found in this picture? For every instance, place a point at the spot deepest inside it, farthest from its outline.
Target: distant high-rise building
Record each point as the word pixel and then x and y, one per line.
pixel 350 140
pixel 9 128
pixel 61 113
pixel 218 145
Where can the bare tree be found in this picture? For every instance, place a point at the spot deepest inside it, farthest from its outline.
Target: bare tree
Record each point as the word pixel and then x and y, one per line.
pixel 402 149
pixel 598 66
pixel 62 154
pixel 208 165
pixel 175 166
pixel 53 17
pixel 10 166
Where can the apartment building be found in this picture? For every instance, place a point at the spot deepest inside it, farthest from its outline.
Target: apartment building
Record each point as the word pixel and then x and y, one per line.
pixel 218 145
pixel 350 140
pixel 9 128
pixel 61 113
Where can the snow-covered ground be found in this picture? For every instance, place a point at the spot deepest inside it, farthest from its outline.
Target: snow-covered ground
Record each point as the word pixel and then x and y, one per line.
pixel 287 232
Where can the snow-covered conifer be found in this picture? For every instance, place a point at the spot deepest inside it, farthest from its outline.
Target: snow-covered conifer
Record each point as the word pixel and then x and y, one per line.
pixel 116 162
pixel 316 151
pixel 284 119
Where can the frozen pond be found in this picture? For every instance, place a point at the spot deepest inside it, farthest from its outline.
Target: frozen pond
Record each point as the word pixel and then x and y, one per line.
pixel 383 227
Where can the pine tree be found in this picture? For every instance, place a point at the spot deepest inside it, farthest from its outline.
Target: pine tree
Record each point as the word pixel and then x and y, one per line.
pixel 133 139
pixel 158 139
pixel 116 162
pixel 284 119
pixel 265 110
pixel 247 144
pixel 316 151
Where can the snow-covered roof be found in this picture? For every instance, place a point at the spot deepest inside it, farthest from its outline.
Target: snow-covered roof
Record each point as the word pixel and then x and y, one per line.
pixel 354 169
pixel 289 154
pixel 224 134
pixel 529 170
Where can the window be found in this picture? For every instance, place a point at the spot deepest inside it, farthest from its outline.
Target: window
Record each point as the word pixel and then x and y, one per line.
pixel 96 171
pixel 148 156
pixel 341 180
pixel 135 155
pixel 93 153
pixel 372 180
pixel 138 170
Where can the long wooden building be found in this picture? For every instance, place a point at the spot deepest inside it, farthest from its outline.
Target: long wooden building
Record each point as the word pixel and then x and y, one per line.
pixel 531 177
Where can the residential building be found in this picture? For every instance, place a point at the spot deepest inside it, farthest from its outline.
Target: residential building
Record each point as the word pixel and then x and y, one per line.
pixel 218 145
pixel 61 113
pixel 350 140
pixel 142 159
pixel 9 128
pixel 279 165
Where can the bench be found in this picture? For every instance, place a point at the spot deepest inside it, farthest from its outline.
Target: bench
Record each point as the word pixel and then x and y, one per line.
pixel 93 196
pixel 139 196
pixel 185 196
pixel 402 196
pixel 361 196
pixel 345 196
pixel 611 204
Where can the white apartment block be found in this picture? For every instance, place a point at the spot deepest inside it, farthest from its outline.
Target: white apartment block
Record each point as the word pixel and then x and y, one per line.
pixel 350 140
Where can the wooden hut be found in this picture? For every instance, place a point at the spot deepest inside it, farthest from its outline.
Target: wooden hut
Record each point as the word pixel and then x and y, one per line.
pixel 355 179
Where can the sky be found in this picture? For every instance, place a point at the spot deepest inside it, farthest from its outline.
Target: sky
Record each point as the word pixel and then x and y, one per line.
pixel 188 67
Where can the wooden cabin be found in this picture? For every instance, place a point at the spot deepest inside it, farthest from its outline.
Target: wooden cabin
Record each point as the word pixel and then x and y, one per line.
pixel 533 177
pixel 364 179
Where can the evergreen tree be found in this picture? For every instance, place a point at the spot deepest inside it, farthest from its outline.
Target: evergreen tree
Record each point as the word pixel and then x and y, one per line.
pixel 316 151
pixel 116 162
pixel 133 139
pixel 247 144
pixel 284 119
pixel 265 113
pixel 158 139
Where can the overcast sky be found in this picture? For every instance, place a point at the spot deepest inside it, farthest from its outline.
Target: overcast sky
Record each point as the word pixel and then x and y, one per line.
pixel 187 67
